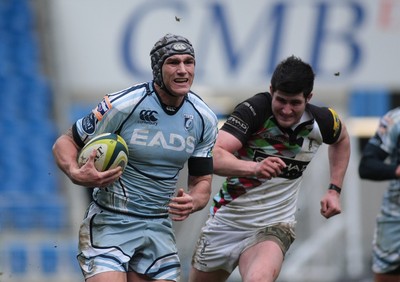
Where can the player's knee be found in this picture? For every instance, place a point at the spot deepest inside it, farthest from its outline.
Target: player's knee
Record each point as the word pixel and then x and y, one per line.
pixel 260 276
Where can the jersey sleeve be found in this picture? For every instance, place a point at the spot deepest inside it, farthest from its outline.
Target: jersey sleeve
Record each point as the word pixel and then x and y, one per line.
pixel 85 128
pixel 248 116
pixel 329 123
pixel 107 116
pixel 200 163
pixel 206 126
pixel 373 163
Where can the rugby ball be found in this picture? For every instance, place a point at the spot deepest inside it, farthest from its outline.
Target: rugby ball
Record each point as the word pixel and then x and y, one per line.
pixel 111 149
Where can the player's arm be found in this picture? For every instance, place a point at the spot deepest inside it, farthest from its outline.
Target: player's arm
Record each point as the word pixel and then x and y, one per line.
pixel 65 151
pixel 227 164
pixel 183 204
pixel 373 166
pixel 199 189
pixel 339 156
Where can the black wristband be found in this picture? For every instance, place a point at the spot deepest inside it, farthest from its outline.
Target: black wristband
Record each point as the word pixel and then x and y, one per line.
pixel 334 187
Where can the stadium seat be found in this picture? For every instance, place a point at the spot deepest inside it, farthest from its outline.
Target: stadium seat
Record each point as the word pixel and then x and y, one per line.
pixel 18 258
pixel 49 259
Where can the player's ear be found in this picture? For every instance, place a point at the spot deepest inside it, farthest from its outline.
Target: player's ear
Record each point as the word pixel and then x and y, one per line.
pixel 309 97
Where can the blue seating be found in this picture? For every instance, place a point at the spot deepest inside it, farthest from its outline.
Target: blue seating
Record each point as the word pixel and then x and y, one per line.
pixel 18 258
pixel 53 214
pixel 27 168
pixel 31 201
pixel 49 259
pixel 21 257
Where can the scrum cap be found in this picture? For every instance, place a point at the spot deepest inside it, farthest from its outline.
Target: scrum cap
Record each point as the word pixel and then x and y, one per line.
pixel 165 47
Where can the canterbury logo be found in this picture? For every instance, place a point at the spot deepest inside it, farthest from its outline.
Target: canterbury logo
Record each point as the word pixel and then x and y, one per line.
pixel 148 115
pixel 179 47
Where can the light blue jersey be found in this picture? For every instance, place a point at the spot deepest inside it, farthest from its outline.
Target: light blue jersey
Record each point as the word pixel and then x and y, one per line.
pixel 160 139
pixel 387 138
pixel 386 242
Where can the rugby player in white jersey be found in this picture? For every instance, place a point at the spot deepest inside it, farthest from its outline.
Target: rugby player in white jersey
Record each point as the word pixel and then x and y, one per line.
pixel 127 233
pixel 263 149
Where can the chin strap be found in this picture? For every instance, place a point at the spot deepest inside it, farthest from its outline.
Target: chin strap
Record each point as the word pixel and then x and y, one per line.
pixel 165 89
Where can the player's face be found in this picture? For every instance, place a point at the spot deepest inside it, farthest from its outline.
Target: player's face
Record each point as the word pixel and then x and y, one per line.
pixel 288 109
pixel 178 74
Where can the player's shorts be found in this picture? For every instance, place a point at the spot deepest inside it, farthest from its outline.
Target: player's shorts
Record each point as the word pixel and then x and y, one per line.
pixel 386 246
pixel 110 241
pixel 220 245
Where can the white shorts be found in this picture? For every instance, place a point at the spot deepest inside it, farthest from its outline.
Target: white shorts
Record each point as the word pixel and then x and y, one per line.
pixel 110 241
pixel 220 245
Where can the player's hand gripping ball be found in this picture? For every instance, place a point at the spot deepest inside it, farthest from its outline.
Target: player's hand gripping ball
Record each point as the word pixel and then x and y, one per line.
pixel 111 149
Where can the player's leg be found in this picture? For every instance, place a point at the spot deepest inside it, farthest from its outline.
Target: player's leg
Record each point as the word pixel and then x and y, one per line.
pixel 157 259
pixel 114 276
pixel 136 277
pixel 214 276
pixel 380 277
pixel 216 254
pixel 386 251
pixel 102 261
pixel 262 260
pixel 261 263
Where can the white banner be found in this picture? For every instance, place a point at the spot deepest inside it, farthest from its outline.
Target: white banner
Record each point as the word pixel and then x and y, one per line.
pixel 104 45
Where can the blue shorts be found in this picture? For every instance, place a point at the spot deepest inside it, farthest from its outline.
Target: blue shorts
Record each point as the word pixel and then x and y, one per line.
pixel 386 245
pixel 110 241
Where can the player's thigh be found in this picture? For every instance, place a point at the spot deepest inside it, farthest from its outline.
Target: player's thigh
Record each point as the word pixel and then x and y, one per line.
pixel 261 262
pixel 136 277
pixel 378 277
pixel 115 276
pixel 212 276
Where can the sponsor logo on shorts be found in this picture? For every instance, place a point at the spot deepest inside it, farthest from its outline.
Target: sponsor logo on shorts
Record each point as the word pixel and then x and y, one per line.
pixel 205 243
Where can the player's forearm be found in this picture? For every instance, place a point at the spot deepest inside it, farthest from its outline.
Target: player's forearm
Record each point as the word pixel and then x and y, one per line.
pixel 339 156
pixel 226 164
pixel 200 191
pixel 65 154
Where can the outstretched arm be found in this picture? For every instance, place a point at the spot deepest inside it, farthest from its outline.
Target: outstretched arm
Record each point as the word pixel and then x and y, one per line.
pixel 339 156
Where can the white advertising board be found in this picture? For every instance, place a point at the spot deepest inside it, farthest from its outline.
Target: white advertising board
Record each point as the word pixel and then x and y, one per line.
pixel 104 45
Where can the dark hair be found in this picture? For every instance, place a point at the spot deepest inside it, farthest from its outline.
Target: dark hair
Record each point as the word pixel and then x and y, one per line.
pixel 293 76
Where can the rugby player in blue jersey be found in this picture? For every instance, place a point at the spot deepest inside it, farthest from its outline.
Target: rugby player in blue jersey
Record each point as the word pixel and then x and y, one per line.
pixel 127 233
pixel 380 162
pixel 263 149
